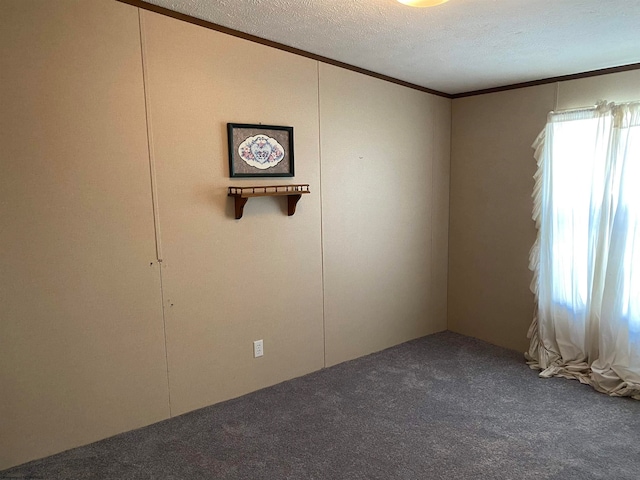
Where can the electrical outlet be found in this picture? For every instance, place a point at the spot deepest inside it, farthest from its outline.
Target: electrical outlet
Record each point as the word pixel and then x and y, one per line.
pixel 258 349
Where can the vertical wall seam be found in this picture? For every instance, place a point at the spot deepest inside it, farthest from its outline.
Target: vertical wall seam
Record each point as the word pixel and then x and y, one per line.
pixel 557 95
pixel 449 208
pixel 166 350
pixel 324 328
pixel 154 194
pixel 152 163
pixel 431 224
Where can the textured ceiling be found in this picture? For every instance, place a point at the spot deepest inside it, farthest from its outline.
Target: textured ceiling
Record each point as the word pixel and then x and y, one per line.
pixel 459 46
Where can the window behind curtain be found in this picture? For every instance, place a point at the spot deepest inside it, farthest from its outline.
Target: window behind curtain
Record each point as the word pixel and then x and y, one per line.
pixel 579 187
pixel 629 224
pixel 576 183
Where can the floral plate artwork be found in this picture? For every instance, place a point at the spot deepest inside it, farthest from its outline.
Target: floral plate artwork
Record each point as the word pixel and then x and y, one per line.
pixel 261 151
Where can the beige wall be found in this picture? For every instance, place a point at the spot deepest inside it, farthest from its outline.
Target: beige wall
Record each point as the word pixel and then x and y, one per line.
pixel 81 335
pixel 85 352
pixel 228 282
pixel 384 199
pixel 491 230
pixel 618 87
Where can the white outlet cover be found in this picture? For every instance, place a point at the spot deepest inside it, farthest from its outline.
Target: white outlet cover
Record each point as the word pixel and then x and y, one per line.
pixel 258 348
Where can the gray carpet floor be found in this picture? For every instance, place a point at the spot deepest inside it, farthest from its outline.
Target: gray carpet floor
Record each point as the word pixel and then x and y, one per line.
pixel 440 407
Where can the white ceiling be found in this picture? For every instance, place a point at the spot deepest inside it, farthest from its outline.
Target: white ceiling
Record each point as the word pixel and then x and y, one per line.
pixel 459 46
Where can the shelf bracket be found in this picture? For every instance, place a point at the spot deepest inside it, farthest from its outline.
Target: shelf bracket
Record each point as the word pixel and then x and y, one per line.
pixel 240 202
pixel 292 201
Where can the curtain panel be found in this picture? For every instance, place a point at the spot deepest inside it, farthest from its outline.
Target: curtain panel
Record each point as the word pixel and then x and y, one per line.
pixel 586 257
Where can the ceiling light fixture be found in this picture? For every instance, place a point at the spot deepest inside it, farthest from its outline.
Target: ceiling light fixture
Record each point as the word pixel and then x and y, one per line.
pixel 422 3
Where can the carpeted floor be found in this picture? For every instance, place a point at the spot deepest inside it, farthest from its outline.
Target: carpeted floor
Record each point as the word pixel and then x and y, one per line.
pixel 440 407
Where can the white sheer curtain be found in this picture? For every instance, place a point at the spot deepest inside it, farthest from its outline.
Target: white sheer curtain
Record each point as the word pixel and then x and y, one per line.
pixel 586 259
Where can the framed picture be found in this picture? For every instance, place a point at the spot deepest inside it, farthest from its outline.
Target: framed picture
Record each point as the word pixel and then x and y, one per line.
pixel 260 150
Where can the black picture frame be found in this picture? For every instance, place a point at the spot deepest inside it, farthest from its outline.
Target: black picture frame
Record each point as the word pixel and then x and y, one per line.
pixel 260 150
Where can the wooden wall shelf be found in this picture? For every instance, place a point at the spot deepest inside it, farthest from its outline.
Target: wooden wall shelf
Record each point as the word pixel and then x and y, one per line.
pixel 292 192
